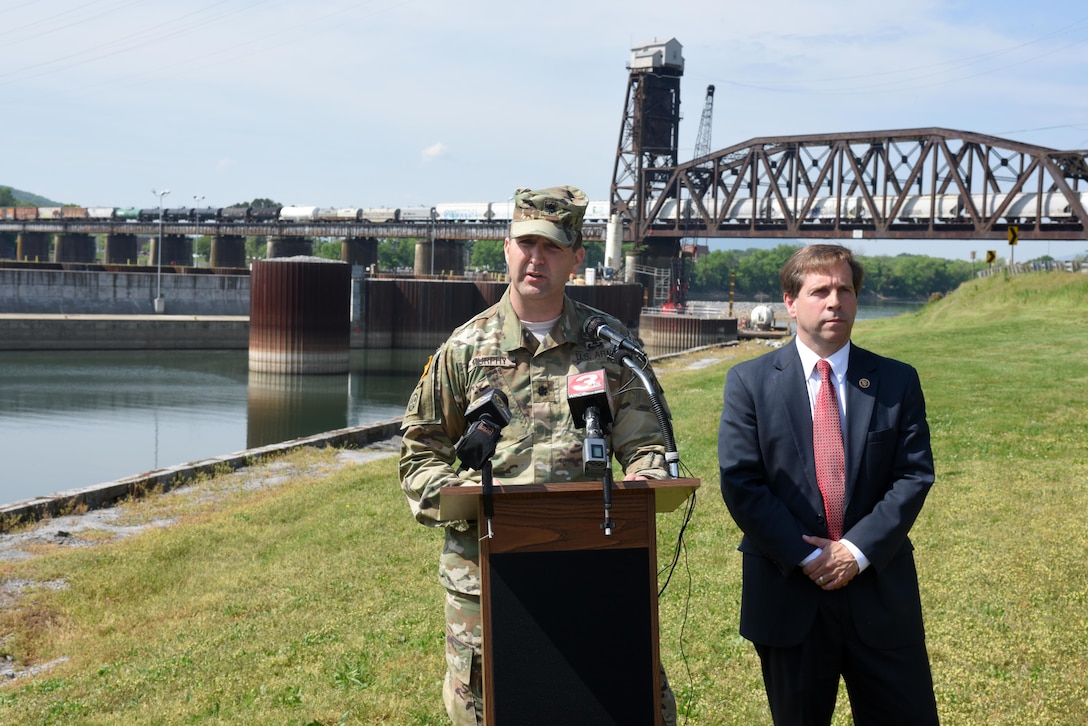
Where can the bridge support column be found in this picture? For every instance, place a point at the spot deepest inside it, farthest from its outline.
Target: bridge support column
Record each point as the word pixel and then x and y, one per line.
pixel 362 251
pixel 228 250
pixel 177 249
pixel 32 246
pixel 121 249
pixel 75 247
pixel 289 247
pixel 447 256
pixel 8 246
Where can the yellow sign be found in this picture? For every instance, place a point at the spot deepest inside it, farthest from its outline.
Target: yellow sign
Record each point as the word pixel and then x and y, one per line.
pixel 991 256
pixel 1014 234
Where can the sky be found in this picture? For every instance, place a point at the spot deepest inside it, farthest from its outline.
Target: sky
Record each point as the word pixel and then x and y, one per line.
pixel 341 104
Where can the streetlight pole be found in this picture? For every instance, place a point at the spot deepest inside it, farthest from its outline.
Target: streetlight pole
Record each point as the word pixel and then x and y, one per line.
pixel 197 199
pixel 159 306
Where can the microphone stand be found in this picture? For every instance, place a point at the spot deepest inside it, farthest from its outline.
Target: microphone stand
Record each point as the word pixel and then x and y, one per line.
pixel 607 525
pixel 596 459
pixel 672 456
pixel 487 481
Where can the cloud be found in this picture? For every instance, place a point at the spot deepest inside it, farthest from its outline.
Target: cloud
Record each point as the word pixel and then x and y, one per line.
pixel 432 152
pixel 224 163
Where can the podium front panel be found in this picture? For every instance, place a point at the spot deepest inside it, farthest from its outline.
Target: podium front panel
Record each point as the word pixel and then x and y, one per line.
pixel 570 612
pixel 572 638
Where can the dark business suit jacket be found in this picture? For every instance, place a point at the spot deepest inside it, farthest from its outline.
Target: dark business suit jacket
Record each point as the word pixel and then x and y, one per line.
pixel 768 481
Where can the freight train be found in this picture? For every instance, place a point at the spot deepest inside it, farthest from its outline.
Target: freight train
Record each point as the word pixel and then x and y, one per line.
pixel 915 209
pixel 448 212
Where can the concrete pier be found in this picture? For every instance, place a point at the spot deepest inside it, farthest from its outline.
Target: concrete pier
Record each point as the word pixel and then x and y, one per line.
pixel 289 247
pixel 75 247
pixel 32 246
pixel 228 250
pixel 121 249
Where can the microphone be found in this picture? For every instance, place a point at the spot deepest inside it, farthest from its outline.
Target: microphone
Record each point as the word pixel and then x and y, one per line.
pixel 486 416
pixel 596 328
pixel 590 402
pixel 586 390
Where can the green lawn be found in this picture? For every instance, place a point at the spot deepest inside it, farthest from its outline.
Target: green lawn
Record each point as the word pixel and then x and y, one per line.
pixel 317 602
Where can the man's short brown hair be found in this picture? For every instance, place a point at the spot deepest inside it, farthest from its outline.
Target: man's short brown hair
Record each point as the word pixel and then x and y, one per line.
pixel 817 258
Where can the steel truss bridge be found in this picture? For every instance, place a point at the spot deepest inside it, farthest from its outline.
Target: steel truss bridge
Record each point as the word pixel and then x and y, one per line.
pixel 930 183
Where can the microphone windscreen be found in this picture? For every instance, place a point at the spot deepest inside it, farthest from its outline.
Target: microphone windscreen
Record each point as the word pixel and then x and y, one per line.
pixel 589 389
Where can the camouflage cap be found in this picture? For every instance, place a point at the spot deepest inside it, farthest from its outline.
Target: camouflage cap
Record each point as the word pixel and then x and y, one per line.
pixel 555 213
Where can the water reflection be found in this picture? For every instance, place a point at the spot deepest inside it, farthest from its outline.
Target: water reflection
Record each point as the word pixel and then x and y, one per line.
pixel 69 419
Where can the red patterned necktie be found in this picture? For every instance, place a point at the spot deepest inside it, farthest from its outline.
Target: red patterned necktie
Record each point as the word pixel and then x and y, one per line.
pixel 827 447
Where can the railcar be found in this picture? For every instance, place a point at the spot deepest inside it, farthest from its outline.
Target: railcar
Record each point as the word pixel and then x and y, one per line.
pixel 380 215
pixel 921 207
pixel 416 214
pixel 1028 206
pixel 206 214
pixel 178 214
pixel 463 211
pixel 264 214
pixel 502 211
pixel 348 214
pixel 598 211
pixel 234 214
pixel 296 213
pixel 338 214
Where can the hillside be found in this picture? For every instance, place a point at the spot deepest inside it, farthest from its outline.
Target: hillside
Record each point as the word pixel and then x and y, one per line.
pixel 27 197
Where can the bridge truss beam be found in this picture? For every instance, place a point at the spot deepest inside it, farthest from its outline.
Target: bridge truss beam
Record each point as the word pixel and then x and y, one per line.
pixel 916 184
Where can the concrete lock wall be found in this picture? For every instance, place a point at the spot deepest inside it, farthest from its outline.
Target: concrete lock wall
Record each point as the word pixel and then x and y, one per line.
pixel 121 293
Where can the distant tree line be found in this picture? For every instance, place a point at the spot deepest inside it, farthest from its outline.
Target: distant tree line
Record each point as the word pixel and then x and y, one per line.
pixel 754 272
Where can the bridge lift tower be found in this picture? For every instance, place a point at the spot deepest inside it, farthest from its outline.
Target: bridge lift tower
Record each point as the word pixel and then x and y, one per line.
pixel 648 144
pixel 680 270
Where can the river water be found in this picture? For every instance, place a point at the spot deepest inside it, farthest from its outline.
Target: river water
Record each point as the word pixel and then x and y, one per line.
pixel 71 419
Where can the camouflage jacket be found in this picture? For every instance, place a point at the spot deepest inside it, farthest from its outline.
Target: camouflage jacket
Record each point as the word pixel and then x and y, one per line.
pixel 540 444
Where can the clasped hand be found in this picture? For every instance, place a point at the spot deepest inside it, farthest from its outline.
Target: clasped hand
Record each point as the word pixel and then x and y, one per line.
pixel 834 567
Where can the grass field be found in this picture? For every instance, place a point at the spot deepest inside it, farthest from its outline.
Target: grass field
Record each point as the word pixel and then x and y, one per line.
pixel 316 601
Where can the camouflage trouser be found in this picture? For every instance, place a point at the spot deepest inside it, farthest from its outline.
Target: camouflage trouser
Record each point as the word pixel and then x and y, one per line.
pixel 462 691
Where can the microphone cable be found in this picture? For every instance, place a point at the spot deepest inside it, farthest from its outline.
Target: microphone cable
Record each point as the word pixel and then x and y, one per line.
pixel 670 568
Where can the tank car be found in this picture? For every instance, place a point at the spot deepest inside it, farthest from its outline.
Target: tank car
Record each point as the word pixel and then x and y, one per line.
pixel 294 213
pixel 264 214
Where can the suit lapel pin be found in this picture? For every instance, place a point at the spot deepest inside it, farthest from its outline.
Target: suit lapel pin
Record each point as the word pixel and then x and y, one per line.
pixel 864 383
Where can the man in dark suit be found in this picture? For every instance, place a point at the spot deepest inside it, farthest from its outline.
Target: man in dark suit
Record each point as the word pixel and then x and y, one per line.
pixel 829 582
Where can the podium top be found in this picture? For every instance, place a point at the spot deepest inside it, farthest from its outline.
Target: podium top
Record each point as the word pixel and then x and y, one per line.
pixel 459 502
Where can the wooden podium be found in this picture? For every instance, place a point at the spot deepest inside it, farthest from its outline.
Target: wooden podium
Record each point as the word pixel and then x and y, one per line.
pixel 570 628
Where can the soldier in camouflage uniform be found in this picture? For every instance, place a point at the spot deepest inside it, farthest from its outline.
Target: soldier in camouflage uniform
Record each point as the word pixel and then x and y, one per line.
pixel 525 346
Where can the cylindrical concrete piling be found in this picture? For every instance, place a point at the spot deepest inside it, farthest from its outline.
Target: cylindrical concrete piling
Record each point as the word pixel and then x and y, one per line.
pixel 299 316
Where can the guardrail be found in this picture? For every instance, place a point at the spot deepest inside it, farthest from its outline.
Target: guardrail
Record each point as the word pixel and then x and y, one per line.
pixel 1021 268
